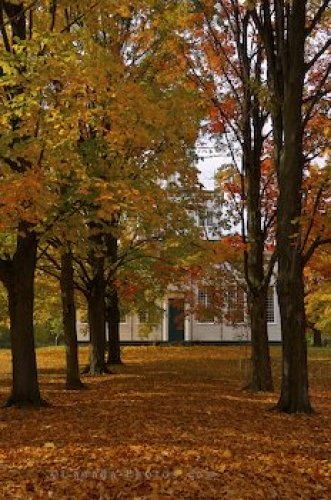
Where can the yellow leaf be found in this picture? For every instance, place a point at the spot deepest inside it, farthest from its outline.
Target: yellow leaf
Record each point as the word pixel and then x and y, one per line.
pixel 227 454
pixel 49 444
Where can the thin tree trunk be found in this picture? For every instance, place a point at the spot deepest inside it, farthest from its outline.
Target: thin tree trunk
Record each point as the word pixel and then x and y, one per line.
pixel 261 379
pixel 96 319
pixel 113 306
pixel 255 274
pixel 25 387
pixel 69 321
pixel 113 322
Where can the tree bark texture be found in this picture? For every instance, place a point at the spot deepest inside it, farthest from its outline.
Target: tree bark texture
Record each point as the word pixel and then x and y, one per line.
pixel 261 379
pixel 96 319
pixel 69 321
pixel 25 387
pixel 113 306
pixel 282 27
pixel 20 271
pixel 113 322
pixel 257 277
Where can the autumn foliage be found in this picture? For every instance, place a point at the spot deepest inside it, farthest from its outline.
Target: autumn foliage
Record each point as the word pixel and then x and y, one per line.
pixel 171 423
pixel 102 105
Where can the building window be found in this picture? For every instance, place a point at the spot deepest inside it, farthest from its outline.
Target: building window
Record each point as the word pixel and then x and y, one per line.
pixel 201 220
pixel 206 219
pixel 210 219
pixel 270 305
pixel 205 304
pixel 236 304
pixel 123 317
pixel 123 312
pixel 143 317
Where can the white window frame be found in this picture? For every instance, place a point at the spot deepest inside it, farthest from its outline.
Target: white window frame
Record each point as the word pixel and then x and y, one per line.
pixel 205 304
pixel 123 319
pixel 273 289
pixel 236 288
pixel 144 322
pixel 210 218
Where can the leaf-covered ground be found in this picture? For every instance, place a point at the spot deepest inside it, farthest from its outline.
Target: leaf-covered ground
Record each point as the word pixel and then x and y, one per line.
pixel 172 422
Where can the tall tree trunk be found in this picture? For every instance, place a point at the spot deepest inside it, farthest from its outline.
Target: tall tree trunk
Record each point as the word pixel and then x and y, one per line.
pixel 113 306
pixel 113 322
pixel 261 379
pixel 95 295
pixel 294 391
pixel 69 321
pixel 283 31
pixel 25 387
pixel 20 279
pixel 257 277
pixel 294 396
pixel 96 319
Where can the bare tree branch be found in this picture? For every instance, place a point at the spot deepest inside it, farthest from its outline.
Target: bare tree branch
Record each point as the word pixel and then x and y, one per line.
pixel 317 96
pixel 317 17
pixel 317 56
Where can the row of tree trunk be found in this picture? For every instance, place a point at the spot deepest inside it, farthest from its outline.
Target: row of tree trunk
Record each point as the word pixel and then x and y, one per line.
pixel 285 53
pixel 103 314
pixel 103 308
pixel 18 277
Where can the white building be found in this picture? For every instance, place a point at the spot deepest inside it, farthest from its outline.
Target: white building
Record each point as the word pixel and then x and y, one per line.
pixel 180 321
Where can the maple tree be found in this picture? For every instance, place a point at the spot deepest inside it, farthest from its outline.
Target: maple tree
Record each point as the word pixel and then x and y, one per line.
pixel 17 273
pixel 72 117
pixel 225 60
pixel 36 140
pixel 69 319
pixel 149 257
pixel 297 74
pixel 159 149
pixel 99 112
pixel 37 146
pixel 129 250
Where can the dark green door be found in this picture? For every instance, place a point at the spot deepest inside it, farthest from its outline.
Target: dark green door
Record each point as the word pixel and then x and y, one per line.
pixel 176 320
